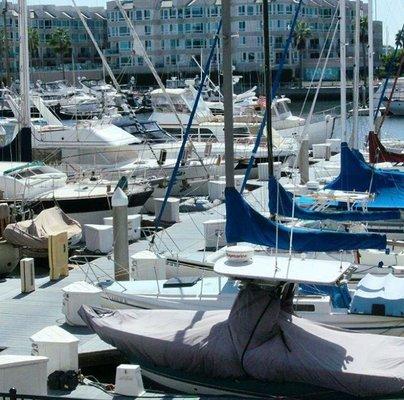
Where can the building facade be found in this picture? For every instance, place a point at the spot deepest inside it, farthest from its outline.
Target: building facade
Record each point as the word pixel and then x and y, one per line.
pixel 178 35
pixel 175 33
pixel 45 19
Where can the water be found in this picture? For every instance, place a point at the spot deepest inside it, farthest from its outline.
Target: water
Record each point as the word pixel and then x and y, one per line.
pixel 393 127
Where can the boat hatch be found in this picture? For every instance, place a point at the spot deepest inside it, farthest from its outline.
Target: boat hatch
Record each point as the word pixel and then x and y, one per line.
pixel 182 282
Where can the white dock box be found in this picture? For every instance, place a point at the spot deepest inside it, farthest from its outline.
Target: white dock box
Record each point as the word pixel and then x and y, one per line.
pixel 128 380
pixel 214 233
pixel 147 265
pixel 322 151
pixel 99 237
pixel 263 172
pixel 78 294
pixel 134 222
pixel 335 145
pixel 216 190
pixel 60 346
pixel 171 211
pixel 27 374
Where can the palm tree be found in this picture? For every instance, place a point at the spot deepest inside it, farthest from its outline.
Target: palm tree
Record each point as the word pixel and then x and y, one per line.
pixel 400 38
pixel 302 33
pixel 61 44
pixel 363 40
pixel 33 43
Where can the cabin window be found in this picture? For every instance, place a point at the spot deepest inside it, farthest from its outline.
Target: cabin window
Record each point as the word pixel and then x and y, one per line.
pixel 304 307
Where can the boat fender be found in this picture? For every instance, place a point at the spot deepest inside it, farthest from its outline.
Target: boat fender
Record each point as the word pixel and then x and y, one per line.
pixel 328 118
pixel 380 265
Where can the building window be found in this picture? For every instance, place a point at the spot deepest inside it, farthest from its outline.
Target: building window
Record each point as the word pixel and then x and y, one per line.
pixel 146 14
pixel 242 40
pixel 241 26
pixel 147 30
pixel 241 10
pixel 250 10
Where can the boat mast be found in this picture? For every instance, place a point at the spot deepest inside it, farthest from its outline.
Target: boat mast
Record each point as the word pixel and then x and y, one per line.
pixel 99 51
pixel 6 44
pixel 25 135
pixel 268 88
pixel 228 93
pixel 343 69
pixel 370 66
pixel 356 78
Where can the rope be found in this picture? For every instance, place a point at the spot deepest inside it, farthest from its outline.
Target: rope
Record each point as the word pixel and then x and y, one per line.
pixel 188 129
pixel 275 86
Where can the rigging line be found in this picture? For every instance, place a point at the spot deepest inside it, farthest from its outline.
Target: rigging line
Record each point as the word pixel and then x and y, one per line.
pixel 307 123
pixel 274 89
pixel 138 46
pixel 188 129
pixel 390 67
pixel 318 62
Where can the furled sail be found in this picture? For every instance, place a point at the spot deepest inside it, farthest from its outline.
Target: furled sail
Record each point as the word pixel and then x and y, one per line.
pixel 281 203
pixel 357 175
pixel 378 153
pixel 244 224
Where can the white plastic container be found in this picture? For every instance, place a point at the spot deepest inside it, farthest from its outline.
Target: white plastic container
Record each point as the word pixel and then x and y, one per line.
pixel 171 211
pixel 74 296
pixel 239 254
pixel 27 273
pixel 99 237
pixel 147 265
pixel 216 190
pixel 214 233
pixel 322 151
pixel 27 374
pixel 134 222
pixel 335 145
pixel 263 170
pixel 128 380
pixel 60 346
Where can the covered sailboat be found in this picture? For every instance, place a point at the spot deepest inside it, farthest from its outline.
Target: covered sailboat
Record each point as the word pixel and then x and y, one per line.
pixel 281 202
pixel 357 175
pixel 258 348
pixel 244 224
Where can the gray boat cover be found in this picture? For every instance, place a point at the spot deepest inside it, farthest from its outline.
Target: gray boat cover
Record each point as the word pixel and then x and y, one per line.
pixel 34 233
pixel 259 338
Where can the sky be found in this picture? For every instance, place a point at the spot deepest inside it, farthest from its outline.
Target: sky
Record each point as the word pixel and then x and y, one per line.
pixel 391 12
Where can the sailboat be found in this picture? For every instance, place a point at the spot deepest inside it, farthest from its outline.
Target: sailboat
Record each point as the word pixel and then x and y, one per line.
pixel 258 348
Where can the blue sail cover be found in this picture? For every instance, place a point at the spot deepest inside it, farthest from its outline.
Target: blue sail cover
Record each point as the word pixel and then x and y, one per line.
pixel 244 224
pixel 357 174
pixel 281 202
pixel 340 297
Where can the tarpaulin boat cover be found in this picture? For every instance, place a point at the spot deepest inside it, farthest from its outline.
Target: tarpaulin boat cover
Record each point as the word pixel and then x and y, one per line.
pixel 258 338
pixel 281 203
pixel 244 224
pixel 34 233
pixel 379 154
pixel 381 295
pixel 357 174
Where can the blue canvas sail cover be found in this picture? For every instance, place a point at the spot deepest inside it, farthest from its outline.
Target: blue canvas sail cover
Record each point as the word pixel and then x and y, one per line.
pixel 244 224
pixel 340 297
pixel 281 202
pixel 357 175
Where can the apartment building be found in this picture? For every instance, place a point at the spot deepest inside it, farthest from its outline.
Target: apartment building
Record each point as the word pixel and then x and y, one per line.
pixel 46 19
pixel 175 33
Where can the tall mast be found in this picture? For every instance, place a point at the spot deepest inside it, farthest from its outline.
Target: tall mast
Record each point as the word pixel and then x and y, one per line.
pixel 370 66
pixel 6 44
pixel 26 146
pixel 228 93
pixel 343 69
pixel 356 78
pixel 268 89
